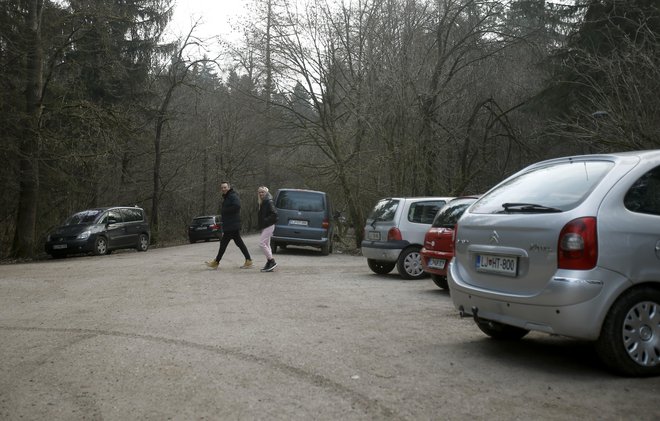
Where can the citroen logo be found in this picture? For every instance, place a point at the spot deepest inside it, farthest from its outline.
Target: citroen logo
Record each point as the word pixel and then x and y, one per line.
pixel 494 238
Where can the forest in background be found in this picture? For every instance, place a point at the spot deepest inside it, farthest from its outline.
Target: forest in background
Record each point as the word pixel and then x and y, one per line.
pixel 363 99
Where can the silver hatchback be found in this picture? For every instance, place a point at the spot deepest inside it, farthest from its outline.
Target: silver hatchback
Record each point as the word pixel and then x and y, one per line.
pixel 568 246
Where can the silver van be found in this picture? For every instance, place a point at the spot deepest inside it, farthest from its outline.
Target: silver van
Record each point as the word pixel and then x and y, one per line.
pixel 304 218
pixel 571 247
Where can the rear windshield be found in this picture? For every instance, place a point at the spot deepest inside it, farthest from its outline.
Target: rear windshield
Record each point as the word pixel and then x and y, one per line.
pixel 451 212
pixel 85 217
pixel 384 210
pixel 300 201
pixel 203 221
pixel 556 187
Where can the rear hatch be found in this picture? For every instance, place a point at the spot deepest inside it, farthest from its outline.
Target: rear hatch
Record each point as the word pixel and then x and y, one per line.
pixel 301 215
pixel 508 241
pixel 381 219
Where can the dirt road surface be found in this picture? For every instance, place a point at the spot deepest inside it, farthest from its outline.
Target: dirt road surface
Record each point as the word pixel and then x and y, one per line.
pixel 156 335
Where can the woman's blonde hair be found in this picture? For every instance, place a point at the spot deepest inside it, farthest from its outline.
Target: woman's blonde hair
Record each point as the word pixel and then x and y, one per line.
pixel 259 190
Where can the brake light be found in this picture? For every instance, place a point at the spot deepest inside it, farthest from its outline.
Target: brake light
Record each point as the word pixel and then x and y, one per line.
pixel 325 224
pixel 215 227
pixel 394 234
pixel 578 245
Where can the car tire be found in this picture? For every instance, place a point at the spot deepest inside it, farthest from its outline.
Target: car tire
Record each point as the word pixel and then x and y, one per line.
pixel 325 249
pixel 381 268
pixel 501 331
pixel 630 337
pixel 192 241
pixel 440 281
pixel 143 242
pixel 409 264
pixel 100 246
pixel 273 247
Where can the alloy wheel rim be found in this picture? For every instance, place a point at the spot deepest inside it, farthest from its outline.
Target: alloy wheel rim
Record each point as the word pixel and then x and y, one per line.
pixel 641 333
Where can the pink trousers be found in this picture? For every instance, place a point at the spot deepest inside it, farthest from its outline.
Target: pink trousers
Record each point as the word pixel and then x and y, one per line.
pixel 264 241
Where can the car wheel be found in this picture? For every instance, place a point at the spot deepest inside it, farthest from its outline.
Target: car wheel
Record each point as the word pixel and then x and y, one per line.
pixel 629 341
pixel 440 281
pixel 409 264
pixel 273 247
pixel 192 241
pixel 501 331
pixel 100 246
pixel 325 249
pixel 381 268
pixel 143 242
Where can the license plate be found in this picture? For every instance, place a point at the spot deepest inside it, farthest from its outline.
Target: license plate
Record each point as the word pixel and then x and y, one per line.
pixel 373 235
pixel 502 265
pixel 437 263
pixel 297 222
pixel 201 228
pixel 59 246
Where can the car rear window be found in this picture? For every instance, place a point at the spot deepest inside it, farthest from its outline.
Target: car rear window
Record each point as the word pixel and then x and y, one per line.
pixel 558 186
pixel 300 201
pixel 203 221
pixel 451 212
pixel 384 210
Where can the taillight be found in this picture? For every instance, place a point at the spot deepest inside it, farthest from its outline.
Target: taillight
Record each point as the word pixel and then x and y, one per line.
pixel 325 224
pixel 394 234
pixel 578 245
pixel 215 227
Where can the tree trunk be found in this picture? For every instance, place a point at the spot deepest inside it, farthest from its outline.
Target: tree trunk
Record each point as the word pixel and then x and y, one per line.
pixel 24 236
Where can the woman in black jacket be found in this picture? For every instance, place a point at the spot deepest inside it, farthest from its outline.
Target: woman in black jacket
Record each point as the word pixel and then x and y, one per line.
pixel 266 219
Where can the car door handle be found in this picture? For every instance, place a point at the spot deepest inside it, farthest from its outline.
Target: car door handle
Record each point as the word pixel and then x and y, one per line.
pixel 657 249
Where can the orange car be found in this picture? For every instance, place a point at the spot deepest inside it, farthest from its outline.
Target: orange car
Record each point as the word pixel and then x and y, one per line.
pixel 438 247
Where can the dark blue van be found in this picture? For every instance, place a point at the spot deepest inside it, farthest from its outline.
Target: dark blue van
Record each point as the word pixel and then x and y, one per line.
pixel 304 219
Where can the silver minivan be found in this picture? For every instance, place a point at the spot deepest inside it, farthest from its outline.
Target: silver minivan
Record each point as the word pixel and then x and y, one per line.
pixel 568 246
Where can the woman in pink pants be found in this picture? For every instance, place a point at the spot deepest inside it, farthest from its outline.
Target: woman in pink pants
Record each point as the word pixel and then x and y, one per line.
pixel 266 219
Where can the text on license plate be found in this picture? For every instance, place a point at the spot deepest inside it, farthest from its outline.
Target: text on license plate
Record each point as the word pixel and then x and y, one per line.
pixel 373 235
pixel 437 263
pixel 497 264
pixel 297 222
pixel 59 246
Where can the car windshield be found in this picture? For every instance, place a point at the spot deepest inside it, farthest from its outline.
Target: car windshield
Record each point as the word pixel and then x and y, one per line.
pixel 85 217
pixel 384 210
pixel 556 187
pixel 451 212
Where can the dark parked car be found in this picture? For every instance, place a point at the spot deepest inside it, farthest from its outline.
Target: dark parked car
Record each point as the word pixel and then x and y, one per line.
pixel 438 247
pixel 100 231
pixel 205 228
pixel 304 219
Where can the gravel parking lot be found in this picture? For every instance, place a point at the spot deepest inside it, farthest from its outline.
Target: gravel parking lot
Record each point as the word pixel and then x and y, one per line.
pixel 157 335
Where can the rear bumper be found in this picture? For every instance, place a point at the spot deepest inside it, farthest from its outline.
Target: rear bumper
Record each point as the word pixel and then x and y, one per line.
pixel 433 254
pixel 384 251
pixel 573 306
pixel 293 241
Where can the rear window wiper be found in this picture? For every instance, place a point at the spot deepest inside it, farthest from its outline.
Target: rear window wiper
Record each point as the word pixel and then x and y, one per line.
pixel 529 207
